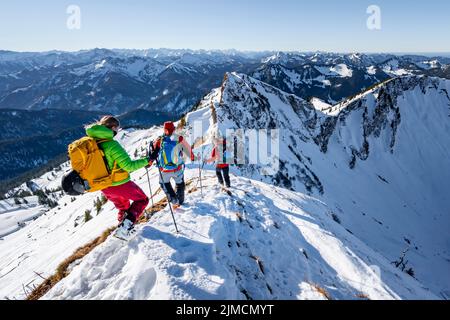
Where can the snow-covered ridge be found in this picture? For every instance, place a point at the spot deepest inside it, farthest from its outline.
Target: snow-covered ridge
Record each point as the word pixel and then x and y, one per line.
pixel 368 190
pixel 378 157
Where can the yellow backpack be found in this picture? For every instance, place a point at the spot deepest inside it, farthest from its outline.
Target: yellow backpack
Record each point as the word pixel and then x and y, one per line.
pixel 89 161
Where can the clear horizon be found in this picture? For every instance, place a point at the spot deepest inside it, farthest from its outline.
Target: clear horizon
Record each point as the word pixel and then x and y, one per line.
pixel 289 25
pixel 232 49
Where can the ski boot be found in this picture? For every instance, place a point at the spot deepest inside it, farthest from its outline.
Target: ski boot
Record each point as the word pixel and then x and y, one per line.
pixel 125 231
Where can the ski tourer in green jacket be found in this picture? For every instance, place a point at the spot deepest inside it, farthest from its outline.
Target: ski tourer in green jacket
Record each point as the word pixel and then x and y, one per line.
pixel 115 154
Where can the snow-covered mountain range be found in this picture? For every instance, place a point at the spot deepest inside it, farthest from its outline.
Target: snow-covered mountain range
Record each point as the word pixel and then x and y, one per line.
pixel 172 80
pixel 357 210
pixel 117 81
pixel 138 83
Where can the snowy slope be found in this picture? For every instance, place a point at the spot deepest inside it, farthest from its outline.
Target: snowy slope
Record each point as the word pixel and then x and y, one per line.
pixel 392 67
pixel 13 216
pixel 368 183
pixel 40 246
pixel 396 138
pixel 246 246
pixel 341 70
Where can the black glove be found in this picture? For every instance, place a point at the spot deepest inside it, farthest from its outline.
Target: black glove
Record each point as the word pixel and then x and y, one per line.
pixel 152 152
pixel 150 146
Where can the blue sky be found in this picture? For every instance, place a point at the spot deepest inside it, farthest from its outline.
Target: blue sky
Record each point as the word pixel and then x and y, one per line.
pixel 290 25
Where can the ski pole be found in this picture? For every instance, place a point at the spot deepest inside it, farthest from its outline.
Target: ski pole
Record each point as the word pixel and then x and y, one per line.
pixel 150 186
pixel 200 174
pixel 203 165
pixel 148 179
pixel 167 196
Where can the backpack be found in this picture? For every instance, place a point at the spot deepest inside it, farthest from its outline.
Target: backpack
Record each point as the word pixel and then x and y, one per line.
pixel 170 157
pixel 88 160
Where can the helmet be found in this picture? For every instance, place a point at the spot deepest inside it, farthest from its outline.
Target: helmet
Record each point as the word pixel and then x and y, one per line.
pixel 169 126
pixel 72 184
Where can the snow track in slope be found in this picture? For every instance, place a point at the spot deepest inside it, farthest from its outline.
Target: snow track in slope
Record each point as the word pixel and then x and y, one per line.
pixel 243 246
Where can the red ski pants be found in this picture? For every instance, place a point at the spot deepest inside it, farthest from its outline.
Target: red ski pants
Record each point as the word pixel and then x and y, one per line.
pixel 122 195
